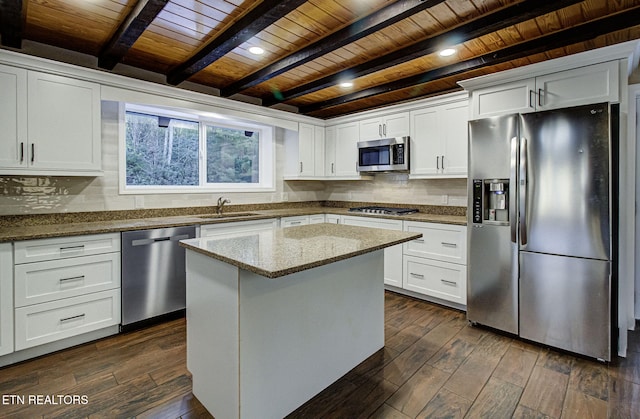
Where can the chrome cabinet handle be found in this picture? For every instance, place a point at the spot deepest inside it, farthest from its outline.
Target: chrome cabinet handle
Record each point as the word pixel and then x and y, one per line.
pixel 379 130
pixel 437 162
pixel 420 276
pixel 33 152
pixel 332 168
pixel 384 129
pixel 419 240
pixel 68 319
pixel 21 152
pixel 539 97
pixel 446 282
pixel 446 244
pixel 294 222
pixel 73 278
pixel 531 92
pixel 72 248
pixel 443 162
pixel 300 167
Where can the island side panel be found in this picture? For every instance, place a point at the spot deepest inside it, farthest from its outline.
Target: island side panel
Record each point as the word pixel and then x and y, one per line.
pixel 213 333
pixel 301 332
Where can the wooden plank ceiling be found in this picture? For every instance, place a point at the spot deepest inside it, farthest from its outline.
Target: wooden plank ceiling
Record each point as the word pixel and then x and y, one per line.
pixel 387 49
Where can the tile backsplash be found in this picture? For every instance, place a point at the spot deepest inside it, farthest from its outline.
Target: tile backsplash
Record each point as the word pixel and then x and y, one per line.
pixel 50 194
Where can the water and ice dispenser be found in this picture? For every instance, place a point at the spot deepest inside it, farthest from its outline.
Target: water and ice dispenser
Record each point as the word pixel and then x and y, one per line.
pixel 491 201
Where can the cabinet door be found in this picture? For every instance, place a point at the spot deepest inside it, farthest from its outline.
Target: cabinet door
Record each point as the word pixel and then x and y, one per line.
pixel 347 149
pixel 504 99
pixel 306 148
pixel 425 148
pixel 13 116
pixel 6 299
pixel 396 125
pixel 454 118
pixel 63 123
pixel 330 151
pixel 370 129
pixel 318 153
pixel 580 86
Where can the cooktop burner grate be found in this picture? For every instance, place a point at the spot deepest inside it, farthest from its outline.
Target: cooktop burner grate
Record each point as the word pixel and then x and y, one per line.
pixel 384 210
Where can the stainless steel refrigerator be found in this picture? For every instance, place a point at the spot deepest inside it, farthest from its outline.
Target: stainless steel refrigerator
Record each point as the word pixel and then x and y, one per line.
pixel 540 226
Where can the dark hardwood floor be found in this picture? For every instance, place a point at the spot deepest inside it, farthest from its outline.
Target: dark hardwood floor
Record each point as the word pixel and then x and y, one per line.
pixel 433 365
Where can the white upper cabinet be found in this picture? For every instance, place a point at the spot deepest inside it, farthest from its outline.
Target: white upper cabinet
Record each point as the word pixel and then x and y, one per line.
pixel 439 141
pixel 394 125
pixel 53 124
pixel 589 84
pixel 309 144
pixel 13 117
pixel 346 151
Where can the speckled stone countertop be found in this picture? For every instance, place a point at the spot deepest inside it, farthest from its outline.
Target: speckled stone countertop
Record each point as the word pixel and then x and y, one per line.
pixel 279 252
pixel 15 228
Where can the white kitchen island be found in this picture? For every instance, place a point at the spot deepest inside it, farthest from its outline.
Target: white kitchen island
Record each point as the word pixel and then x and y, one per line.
pixel 275 317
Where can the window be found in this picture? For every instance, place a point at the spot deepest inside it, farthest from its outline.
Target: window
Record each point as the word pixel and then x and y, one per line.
pixel 167 151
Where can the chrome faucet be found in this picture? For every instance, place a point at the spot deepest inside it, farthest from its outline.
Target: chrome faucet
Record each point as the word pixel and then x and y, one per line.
pixel 221 201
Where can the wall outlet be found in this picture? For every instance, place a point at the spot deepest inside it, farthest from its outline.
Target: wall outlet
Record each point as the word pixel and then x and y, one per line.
pixel 445 199
pixel 138 201
pixel 285 196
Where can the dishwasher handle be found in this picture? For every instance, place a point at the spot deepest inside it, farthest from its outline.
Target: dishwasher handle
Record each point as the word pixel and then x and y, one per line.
pixel 146 242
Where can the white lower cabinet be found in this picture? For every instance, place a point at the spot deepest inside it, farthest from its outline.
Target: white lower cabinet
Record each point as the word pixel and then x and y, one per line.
pixel 233 228
pixel 47 322
pixel 64 287
pixel 392 255
pixel 298 220
pixel 6 298
pixel 317 219
pixel 436 264
pixel 443 280
pixel 332 218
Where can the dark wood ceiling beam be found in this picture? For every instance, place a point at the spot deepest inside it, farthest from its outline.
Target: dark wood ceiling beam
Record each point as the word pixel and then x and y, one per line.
pixel 258 18
pixel 140 17
pixel 559 39
pixel 12 17
pixel 374 22
pixel 484 25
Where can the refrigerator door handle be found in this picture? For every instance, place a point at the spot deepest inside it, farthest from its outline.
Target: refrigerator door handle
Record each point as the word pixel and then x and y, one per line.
pixel 513 216
pixel 523 191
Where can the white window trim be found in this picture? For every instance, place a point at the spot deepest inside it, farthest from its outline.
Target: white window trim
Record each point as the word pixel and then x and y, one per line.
pixel 267 155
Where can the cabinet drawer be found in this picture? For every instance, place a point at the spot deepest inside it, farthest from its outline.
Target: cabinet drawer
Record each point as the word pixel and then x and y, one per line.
pixel 447 281
pixel 317 219
pixel 294 221
pixel 65 247
pixel 439 241
pixel 238 227
pixel 52 280
pixel 43 323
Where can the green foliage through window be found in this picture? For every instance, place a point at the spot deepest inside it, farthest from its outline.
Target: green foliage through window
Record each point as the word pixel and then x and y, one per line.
pixel 232 155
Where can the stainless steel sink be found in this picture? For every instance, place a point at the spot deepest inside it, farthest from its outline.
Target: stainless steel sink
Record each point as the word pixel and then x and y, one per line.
pixel 227 215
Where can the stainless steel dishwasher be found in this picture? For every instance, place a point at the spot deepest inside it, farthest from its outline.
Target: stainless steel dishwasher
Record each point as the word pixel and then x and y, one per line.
pixel 153 275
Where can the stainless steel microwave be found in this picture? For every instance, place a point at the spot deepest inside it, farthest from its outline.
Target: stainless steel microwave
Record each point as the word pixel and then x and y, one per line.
pixel 385 155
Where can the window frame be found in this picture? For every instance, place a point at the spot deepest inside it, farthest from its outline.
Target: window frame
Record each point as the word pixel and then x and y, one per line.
pixel 266 156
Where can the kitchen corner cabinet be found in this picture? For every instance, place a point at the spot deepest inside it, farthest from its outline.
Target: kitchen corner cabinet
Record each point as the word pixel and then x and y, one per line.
pixel 51 124
pixel 436 264
pixel 6 298
pixel 578 86
pixel 439 141
pixel 395 125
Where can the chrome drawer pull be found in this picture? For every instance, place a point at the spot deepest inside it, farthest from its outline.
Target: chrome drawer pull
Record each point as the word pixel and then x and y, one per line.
pixel 294 222
pixel 68 319
pixel 73 278
pixel 72 248
pixel 452 283
pixel 419 240
pixel 445 244
pixel 416 275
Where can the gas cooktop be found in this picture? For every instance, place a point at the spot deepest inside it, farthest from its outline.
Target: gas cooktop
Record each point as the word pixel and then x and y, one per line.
pixel 384 210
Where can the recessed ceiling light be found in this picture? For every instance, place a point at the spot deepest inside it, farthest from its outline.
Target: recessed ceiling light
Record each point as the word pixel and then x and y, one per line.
pixel 256 50
pixel 346 84
pixel 447 52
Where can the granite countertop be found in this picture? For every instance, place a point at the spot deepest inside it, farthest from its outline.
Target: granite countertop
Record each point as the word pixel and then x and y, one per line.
pixel 86 225
pixel 279 252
